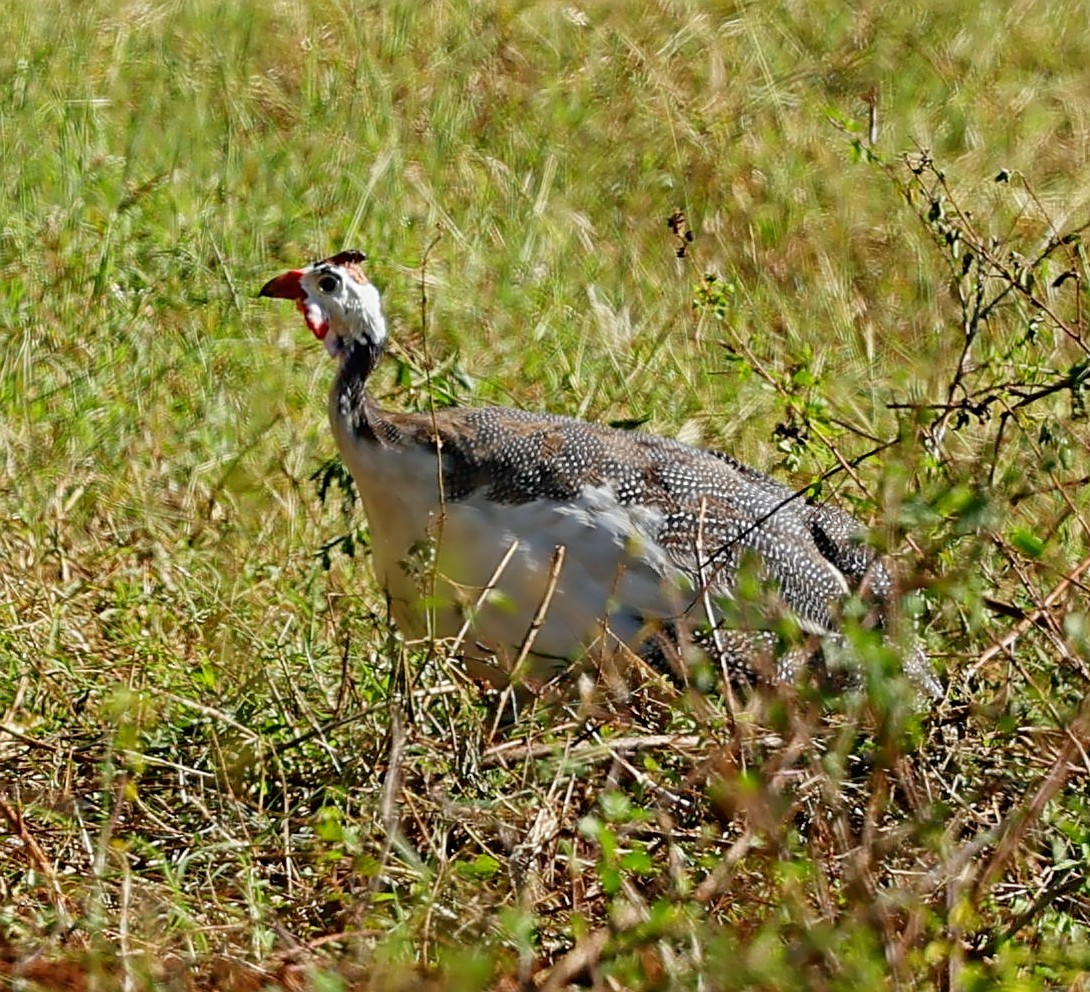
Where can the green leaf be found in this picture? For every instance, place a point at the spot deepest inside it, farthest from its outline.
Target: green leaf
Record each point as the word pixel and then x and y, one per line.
pixel 1027 542
pixel 638 862
pixel 481 867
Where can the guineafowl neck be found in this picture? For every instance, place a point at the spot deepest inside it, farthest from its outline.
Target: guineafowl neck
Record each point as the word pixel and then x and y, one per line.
pixel 351 400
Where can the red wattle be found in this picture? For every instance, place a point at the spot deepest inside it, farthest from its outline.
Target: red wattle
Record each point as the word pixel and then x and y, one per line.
pixel 314 317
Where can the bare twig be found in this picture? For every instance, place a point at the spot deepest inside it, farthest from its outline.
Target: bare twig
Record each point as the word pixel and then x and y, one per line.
pixel 38 859
pixel 536 623
pixel 456 644
pixel 1007 640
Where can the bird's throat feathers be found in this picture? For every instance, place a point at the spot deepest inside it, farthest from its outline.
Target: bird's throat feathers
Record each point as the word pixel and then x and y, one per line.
pixel 351 402
pixel 359 358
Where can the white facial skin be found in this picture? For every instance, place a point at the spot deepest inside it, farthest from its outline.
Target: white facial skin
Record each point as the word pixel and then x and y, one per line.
pixel 339 307
pixel 337 302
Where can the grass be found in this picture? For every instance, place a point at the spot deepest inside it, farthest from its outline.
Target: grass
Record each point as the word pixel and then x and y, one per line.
pixel 222 767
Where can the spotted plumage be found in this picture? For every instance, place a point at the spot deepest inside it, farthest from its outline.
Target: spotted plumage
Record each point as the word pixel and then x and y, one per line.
pixel 655 533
